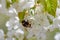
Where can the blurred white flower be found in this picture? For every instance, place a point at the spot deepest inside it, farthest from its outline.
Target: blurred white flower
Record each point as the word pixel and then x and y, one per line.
pixel 19 31
pixel 58 12
pixel 10 33
pixel 24 4
pixel 56 22
pixel 1 33
pixel 15 27
pixel 10 38
pixel 19 34
pixel 57 36
pixel 0 5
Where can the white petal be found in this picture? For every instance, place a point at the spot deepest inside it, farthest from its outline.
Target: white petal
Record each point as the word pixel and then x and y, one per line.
pixel 19 31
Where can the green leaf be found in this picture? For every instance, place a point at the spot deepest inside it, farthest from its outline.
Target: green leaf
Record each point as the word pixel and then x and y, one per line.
pixel 50 20
pixel 7 4
pixel 13 1
pixel 21 15
pixel 51 7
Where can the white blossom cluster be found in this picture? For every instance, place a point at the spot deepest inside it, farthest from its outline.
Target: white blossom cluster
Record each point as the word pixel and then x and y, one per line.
pixel 39 21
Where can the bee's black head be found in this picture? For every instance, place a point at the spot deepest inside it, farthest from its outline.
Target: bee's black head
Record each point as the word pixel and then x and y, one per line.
pixel 26 23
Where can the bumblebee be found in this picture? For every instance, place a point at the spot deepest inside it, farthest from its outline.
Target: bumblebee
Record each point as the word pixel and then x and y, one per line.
pixel 26 23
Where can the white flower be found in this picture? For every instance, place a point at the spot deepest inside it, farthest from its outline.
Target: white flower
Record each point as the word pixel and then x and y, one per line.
pixel 59 3
pixel 19 31
pixel 39 8
pixel 58 12
pixel 37 23
pixel 10 38
pixel 0 5
pixel 10 33
pixel 56 22
pixel 3 4
pixel 19 34
pixel 38 19
pixel 57 36
pixel 1 33
pixel 12 12
pixel 24 4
